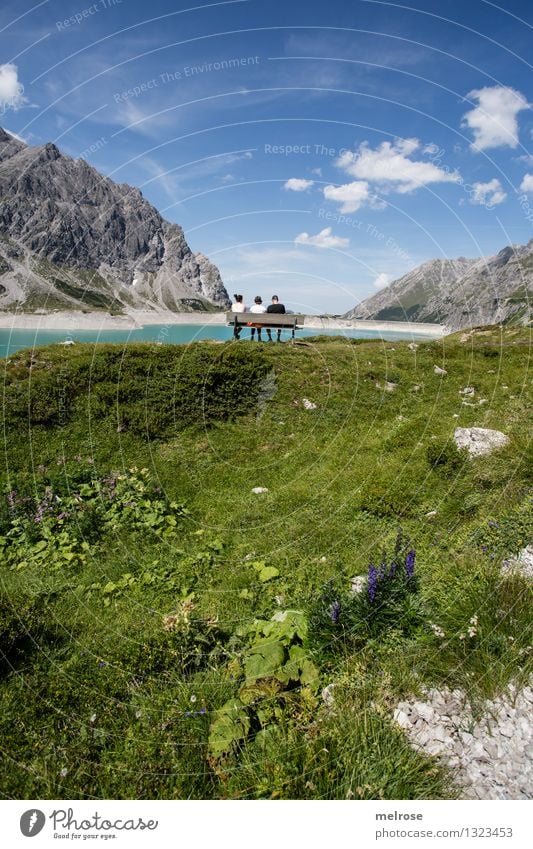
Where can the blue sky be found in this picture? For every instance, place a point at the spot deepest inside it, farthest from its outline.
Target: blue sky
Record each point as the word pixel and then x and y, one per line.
pixel 313 149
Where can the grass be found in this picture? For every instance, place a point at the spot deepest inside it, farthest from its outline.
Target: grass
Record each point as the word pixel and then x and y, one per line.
pixel 102 698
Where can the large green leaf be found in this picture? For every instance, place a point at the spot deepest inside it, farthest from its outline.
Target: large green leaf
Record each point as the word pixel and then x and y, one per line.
pixel 264 658
pixel 231 724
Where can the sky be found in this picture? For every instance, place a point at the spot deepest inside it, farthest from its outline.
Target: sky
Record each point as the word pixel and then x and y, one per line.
pixel 316 150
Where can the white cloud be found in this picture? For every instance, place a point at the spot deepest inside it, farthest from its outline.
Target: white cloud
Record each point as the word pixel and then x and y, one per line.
pixel 382 280
pixel 527 183
pixel 494 121
pixel 324 239
pixel 11 90
pixel 389 165
pixel 295 184
pixel 352 195
pixel 488 194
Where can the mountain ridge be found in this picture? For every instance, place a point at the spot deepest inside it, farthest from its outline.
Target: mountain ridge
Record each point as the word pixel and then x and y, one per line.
pixel 459 292
pixel 71 238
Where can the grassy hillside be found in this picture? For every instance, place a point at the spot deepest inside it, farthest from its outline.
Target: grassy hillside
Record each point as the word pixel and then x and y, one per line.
pixel 166 632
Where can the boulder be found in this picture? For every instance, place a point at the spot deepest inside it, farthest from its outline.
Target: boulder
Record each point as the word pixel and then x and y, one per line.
pixel 479 440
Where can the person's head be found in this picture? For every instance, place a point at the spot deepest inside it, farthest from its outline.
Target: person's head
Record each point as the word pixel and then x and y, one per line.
pixel 258 299
pixel 238 298
pixel 275 299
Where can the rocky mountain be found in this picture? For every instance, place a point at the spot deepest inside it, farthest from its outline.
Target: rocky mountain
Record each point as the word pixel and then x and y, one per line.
pixel 459 292
pixel 71 238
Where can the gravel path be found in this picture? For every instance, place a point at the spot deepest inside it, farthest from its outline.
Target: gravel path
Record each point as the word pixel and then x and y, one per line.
pixel 492 758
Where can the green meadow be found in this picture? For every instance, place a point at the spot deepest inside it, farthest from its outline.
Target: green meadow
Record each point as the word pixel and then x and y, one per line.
pixel 168 633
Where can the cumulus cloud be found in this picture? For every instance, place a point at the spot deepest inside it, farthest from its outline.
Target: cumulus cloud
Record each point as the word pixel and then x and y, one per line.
pixel 390 166
pixel 352 195
pixel 324 239
pixel 11 90
pixel 494 121
pixel 296 184
pixel 527 183
pixel 488 194
pixel 382 280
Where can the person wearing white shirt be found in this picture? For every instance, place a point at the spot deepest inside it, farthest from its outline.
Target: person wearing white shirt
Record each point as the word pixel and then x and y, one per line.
pixel 258 307
pixel 238 306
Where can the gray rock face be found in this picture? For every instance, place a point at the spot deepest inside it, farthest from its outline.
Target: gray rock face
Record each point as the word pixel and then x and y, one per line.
pixel 69 229
pixel 459 292
pixel 479 440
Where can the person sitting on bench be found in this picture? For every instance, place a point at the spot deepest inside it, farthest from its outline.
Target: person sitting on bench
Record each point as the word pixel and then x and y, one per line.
pixel 275 307
pixel 258 307
pixel 238 306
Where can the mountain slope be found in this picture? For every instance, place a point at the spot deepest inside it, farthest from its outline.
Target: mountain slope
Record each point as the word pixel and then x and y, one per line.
pixel 71 238
pixel 460 292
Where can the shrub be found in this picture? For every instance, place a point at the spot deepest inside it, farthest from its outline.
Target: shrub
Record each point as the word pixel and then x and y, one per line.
pixel 445 455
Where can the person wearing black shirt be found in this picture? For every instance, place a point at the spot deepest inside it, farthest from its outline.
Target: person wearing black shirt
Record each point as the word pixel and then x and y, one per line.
pixel 275 307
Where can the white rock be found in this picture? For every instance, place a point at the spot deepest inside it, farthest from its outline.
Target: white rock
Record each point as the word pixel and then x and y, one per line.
pixel 521 565
pixel 479 440
pixel 258 489
pixel 431 514
pixel 439 370
pixel 401 719
pixel 327 695
pixel 309 405
pixel 467 390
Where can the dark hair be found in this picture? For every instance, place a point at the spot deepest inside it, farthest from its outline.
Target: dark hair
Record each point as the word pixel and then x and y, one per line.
pixel 258 299
pixel 238 298
pixel 275 298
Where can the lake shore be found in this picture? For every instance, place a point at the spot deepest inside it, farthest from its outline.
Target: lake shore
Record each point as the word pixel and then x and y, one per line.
pixel 70 322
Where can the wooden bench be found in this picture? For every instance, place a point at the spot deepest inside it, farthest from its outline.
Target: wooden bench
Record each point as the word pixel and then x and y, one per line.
pixel 271 320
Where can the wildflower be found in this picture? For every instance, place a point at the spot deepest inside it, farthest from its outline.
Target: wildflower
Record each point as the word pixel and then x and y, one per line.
pixel 358 584
pixel 437 630
pixel 462 636
pixel 372 581
pixel 335 612
pixel 93 718
pixel 102 664
pixel 63 772
pixel 202 711
pixel 188 713
pixel 472 632
pixel 473 620
pixel 410 563
pixel 192 699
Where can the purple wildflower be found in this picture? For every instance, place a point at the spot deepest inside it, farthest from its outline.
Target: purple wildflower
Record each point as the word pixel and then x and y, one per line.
pixel 202 711
pixel 335 612
pixel 372 581
pixel 410 563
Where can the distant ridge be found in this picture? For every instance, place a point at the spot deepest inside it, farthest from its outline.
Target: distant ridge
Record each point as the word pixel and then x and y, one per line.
pixel 71 238
pixel 459 292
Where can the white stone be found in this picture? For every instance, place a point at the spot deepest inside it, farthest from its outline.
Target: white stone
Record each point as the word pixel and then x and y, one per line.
pixel 479 440
pixel 259 489
pixel 467 390
pixel 521 565
pixel 439 370
pixel 309 405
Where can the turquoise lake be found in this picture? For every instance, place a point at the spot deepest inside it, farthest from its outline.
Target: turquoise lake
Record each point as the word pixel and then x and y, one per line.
pixel 14 340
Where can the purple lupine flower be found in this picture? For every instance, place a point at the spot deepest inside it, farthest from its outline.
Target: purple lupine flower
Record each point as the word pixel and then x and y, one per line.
pixel 410 563
pixel 372 581
pixel 335 612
